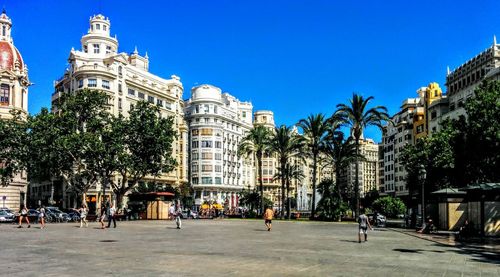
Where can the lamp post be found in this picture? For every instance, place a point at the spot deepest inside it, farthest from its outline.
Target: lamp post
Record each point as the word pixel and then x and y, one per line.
pixel 422 174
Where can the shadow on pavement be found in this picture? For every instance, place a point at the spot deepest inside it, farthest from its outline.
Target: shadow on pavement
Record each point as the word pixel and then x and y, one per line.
pixel 419 251
pixel 479 254
pixel 260 230
pixel 344 240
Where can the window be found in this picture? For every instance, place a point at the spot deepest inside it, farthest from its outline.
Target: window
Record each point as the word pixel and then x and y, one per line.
pixel 206 132
pixel 244 114
pixel 104 27
pixel 119 87
pixel 194 167
pixel 96 48
pixel 92 83
pixel 206 156
pixel 218 180
pixel 206 168
pixel 194 132
pixel 218 156
pixel 4 94
pixel 194 156
pixel 218 144
pixel 206 180
pixel 206 143
pixel 98 26
pixel 85 48
pixel 140 95
pixel 215 109
pixel 119 103
pixel 131 92
pixel 120 71
pixel 207 108
pixel 151 99
pixel 80 83
pixel 159 102
pixel 194 180
pixel 108 49
pixel 3 30
pixel 105 84
pixel 194 144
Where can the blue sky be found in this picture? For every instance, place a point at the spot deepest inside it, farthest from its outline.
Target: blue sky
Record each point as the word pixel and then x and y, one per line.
pixel 292 57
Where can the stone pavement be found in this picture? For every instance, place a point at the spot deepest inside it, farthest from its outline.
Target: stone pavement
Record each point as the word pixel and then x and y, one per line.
pixel 230 248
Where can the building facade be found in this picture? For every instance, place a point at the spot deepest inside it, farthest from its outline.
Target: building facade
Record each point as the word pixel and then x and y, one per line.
pixel 461 82
pixel 368 176
pixel 125 77
pixel 217 123
pixel 14 85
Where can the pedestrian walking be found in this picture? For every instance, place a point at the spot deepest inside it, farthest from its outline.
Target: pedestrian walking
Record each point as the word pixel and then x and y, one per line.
pixel 178 215
pixel 171 212
pixel 268 218
pixel 103 216
pixel 23 213
pixel 111 216
pixel 364 224
pixel 41 217
pixel 83 216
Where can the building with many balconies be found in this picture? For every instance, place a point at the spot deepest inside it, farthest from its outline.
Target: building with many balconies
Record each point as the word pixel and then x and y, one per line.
pixel 217 123
pixel 126 78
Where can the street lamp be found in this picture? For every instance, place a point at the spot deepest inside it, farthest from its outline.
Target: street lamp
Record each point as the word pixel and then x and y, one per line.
pixel 422 174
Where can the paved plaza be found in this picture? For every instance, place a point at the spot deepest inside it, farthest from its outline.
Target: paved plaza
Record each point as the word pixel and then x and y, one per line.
pixel 231 248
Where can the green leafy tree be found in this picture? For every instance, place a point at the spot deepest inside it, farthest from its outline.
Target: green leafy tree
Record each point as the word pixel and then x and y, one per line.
pixel 314 129
pixel 330 206
pixel 80 118
pixel 358 116
pixel 256 143
pixel 390 206
pixel 286 144
pixel 482 134
pixel 148 148
pixel 13 138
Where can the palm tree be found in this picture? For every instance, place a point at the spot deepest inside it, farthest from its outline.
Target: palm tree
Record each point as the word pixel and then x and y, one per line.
pixel 340 154
pixel 314 129
pixel 286 144
pixel 293 172
pixel 256 142
pixel 357 116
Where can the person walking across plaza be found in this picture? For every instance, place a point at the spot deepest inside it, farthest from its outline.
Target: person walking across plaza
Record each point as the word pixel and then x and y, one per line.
pixel 41 217
pixel 364 224
pixel 111 216
pixel 268 218
pixel 178 215
pixel 23 213
pixel 83 216
pixel 102 217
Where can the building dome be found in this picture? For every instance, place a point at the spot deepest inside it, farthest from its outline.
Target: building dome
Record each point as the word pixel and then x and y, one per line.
pixel 10 58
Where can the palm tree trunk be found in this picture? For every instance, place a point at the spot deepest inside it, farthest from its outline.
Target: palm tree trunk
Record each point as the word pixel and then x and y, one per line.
pixel 313 208
pixel 282 191
pixel 288 201
pixel 261 185
pixel 356 183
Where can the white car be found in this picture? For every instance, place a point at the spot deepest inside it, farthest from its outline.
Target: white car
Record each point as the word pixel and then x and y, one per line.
pixel 6 216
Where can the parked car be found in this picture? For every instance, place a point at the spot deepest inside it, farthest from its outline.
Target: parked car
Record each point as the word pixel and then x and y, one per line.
pixel 74 215
pixel 380 221
pixel 8 211
pixel 6 216
pixel 58 215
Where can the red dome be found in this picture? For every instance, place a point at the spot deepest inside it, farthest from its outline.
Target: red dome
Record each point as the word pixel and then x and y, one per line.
pixel 9 56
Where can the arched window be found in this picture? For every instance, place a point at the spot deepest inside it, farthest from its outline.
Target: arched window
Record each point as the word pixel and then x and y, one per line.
pixel 120 70
pixel 4 30
pixel 4 94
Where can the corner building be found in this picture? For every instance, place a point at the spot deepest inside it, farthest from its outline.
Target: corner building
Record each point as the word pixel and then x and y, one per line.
pixel 125 77
pixel 217 124
pixel 14 85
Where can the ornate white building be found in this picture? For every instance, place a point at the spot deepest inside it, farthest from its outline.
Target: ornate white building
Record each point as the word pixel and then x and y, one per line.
pixel 126 79
pixel 14 85
pixel 217 123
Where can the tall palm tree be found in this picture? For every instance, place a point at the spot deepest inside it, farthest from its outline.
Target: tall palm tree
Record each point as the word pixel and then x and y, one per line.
pixel 285 143
pixel 314 129
pixel 340 154
pixel 256 142
pixel 358 116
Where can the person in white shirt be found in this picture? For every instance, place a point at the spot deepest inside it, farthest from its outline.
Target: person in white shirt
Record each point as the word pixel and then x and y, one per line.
pixel 111 214
pixel 83 216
